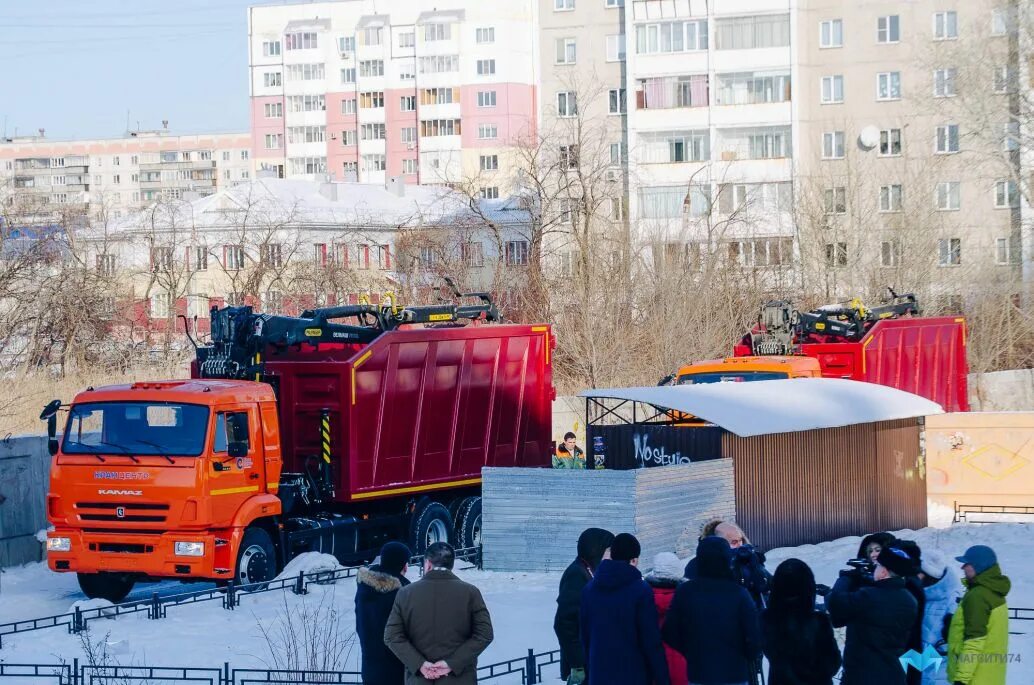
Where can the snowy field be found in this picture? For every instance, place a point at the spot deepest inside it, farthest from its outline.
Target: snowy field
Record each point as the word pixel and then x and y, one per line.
pixel 521 604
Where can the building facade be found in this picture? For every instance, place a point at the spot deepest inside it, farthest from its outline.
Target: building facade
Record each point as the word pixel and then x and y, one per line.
pixel 366 91
pixel 109 178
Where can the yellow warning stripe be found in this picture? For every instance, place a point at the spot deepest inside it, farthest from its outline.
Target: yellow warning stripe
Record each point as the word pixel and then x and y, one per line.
pixel 235 491
pixel 272 486
pixel 415 488
pixel 539 329
pixel 358 362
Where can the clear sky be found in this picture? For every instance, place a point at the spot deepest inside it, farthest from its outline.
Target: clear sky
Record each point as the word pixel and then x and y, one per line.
pixel 74 67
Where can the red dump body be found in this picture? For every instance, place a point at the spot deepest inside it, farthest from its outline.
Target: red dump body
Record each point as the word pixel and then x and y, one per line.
pixel 418 410
pixel 924 356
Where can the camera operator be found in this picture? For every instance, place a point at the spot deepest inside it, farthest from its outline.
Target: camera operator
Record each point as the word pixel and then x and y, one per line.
pixel 748 564
pixel 879 616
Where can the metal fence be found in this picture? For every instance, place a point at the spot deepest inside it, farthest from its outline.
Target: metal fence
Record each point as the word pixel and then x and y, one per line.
pixel 526 670
pixel 157 606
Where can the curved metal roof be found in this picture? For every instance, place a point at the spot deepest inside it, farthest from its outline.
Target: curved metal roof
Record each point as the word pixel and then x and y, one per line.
pixel 780 406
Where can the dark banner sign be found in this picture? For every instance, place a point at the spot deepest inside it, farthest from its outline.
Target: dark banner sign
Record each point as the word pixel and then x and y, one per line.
pixel 631 446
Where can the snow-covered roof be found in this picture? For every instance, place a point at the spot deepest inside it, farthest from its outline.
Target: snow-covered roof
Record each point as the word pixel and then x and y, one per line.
pixel 781 406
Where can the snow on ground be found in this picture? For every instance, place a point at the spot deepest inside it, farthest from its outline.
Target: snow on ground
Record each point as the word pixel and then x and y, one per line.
pixel 522 607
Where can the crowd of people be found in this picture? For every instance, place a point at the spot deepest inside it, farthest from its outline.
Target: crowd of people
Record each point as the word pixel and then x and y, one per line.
pixel 909 618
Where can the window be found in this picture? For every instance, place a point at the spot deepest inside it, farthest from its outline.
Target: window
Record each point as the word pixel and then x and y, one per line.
pixel 371 67
pixel 517 252
pixel 116 179
pixel 1006 251
pixel 434 32
pixel 672 91
pixel 1006 194
pixel 888 29
pixel 836 255
pixel 1002 21
pixel 616 48
pixel 408 134
pixel 890 142
pixel 270 48
pixel 407 71
pixel 306 134
pixel 566 51
pixel 1004 80
pixel 440 64
pixel 308 165
pixel 948 139
pixel 670 36
pixel 271 79
pixel 439 96
pixel 305 40
pixel 485 35
pixel 831 34
pixel 372 132
pixel 348 137
pixel 320 254
pixel 486 67
pixel 486 98
pixel 944 83
pixel 890 253
pixel 749 88
pixel 373 163
pixel 615 3
pixel 833 145
pixel 350 170
pixel 407 103
pixel 566 104
pixel 563 5
pixel 346 44
pixel 371 100
pixel 305 72
pixel 666 202
pixel 306 103
pixel 348 106
pixel 568 157
pixel 891 198
pixel 271 255
pixel 1011 136
pixel 473 254
pixel 948 196
pixel 754 143
pixel 746 33
pixel 949 251
pixel 668 147
pixel 274 141
pixel 489 193
pixel 945 25
pixel 161 259
pixel 836 200
pixel 487 132
pixel 373 35
pixel 617 101
pixel 618 209
pixel 619 153
pixel 161 305
pixel 106 264
pixel 407 39
pixel 348 75
pixel 233 257
pixel 832 89
pixel 888 85
pixel 273 302
pixel 409 167
pixel 440 127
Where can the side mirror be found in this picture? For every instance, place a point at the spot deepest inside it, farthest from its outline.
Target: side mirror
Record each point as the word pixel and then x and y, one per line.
pixel 49 414
pixel 237 449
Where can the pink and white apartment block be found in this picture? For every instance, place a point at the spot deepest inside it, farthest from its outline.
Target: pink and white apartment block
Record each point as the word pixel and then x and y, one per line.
pixel 432 93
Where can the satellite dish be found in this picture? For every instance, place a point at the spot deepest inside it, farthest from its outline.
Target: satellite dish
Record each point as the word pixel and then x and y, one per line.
pixel 869 138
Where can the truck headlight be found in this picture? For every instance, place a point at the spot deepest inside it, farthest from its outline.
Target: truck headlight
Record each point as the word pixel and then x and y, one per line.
pixel 59 544
pixel 190 549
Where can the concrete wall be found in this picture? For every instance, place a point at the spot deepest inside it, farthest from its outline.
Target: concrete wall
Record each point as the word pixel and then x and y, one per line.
pixel 532 517
pixel 24 471
pixel 1002 390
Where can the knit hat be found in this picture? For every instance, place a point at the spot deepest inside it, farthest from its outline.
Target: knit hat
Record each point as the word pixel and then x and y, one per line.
pixel 394 555
pixel 897 562
pixel 714 558
pixel 934 564
pixel 625 547
pixel 668 566
pixel 980 557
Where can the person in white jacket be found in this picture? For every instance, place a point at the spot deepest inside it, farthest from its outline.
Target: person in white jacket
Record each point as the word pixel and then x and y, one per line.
pixel 943 589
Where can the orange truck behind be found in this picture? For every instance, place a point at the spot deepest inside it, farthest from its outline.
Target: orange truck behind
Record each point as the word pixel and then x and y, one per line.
pixel 745 369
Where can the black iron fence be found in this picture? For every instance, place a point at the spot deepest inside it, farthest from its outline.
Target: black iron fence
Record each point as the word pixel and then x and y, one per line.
pixel 230 595
pixel 526 670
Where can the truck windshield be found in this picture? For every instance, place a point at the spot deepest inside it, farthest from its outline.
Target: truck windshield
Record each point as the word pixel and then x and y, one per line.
pixel 740 377
pixel 137 428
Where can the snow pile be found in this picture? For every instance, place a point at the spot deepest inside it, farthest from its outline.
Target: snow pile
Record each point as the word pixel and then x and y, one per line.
pixel 41 535
pixel 309 562
pixel 98 603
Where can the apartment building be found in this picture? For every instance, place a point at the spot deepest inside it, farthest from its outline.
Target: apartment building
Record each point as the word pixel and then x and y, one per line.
pixel 42 178
pixel 710 130
pixel 366 91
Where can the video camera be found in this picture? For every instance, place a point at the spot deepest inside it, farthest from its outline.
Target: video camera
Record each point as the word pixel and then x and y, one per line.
pixel 861 570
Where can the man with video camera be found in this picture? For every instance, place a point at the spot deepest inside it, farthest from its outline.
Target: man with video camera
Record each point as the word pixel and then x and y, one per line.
pixel 878 610
pixel 748 564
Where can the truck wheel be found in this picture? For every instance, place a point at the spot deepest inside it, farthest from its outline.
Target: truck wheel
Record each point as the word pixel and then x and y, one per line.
pixel 456 508
pixel 110 586
pixel 431 523
pixel 256 559
pixel 469 524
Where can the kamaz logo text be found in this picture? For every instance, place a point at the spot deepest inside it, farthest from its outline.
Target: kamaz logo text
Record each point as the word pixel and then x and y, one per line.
pixel 122 493
pixel 120 475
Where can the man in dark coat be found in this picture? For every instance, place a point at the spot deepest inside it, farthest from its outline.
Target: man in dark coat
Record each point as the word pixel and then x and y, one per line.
pixel 879 618
pixel 713 621
pixel 439 625
pixel 375 592
pixel 915 588
pixel 619 622
pixel 593 544
pixel 748 564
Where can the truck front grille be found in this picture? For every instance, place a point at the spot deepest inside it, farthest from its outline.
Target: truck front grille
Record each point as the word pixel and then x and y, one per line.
pixel 135 512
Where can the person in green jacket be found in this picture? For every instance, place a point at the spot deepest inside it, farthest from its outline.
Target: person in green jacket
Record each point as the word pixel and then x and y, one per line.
pixel 978 637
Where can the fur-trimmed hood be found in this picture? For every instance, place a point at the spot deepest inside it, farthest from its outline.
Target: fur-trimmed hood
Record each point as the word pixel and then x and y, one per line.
pixel 380 581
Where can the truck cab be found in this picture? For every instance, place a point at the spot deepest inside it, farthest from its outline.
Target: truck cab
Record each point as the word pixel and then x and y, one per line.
pixel 748 369
pixel 161 480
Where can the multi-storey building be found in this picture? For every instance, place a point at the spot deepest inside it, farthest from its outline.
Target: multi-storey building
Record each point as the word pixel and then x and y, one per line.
pixel 366 91
pixel 116 176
